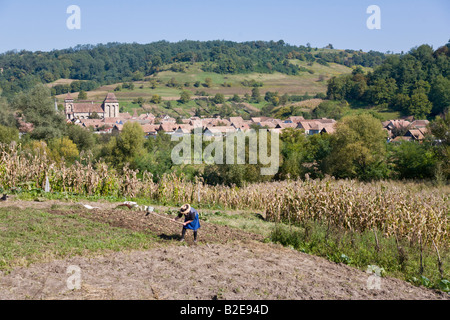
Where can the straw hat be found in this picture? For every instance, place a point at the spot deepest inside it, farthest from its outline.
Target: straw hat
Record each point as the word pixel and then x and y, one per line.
pixel 185 209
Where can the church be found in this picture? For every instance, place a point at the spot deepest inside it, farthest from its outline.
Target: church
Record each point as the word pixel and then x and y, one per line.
pixel 83 110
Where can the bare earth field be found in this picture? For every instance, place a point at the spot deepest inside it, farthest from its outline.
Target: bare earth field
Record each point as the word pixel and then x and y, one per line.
pixel 227 263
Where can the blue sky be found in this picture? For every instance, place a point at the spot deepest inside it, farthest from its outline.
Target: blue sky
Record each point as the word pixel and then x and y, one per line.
pixel 36 25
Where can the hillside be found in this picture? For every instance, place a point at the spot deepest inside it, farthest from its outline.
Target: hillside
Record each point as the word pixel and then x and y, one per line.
pixel 114 62
pixel 193 79
pixel 415 84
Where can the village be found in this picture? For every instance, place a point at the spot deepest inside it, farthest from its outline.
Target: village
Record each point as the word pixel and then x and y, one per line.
pixel 108 119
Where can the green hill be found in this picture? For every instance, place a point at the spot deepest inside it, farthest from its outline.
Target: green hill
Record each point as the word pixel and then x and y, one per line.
pixel 193 78
pixel 99 65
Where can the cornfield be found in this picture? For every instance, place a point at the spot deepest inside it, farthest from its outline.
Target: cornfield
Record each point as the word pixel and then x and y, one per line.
pixel 402 210
pixel 394 209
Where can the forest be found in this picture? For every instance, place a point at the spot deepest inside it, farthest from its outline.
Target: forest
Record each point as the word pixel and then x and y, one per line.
pixel 416 83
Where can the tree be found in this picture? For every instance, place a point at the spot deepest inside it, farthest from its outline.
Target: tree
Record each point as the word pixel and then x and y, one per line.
pixel 413 160
pixel 440 129
pixel 140 101
pixel 329 109
pixel 83 138
pixel 357 70
pixel 94 115
pixel 402 102
pixel 128 145
pixel 420 106
pixel 338 87
pixel 153 84
pixel 8 134
pixel 138 76
pixel 272 97
pixel 82 95
pixel 157 156
pixel 235 98
pixel 358 86
pixel 208 82
pixel 219 98
pixel 7 117
pixel 173 83
pixel 185 97
pixel 318 148
pixel 128 85
pixel 256 96
pixel 440 94
pixel 382 91
pixel 358 148
pixel 63 149
pixel 293 153
pixel 156 99
pixel 75 86
pixel 284 112
pixel 39 109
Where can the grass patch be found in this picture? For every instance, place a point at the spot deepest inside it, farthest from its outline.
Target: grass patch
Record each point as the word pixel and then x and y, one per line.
pixel 247 221
pixel 360 250
pixel 298 84
pixel 29 236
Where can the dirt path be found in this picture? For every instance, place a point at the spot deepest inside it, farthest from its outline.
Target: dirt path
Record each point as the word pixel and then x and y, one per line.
pixel 226 264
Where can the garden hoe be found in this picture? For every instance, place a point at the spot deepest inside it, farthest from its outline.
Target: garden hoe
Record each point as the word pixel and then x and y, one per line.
pixel 150 210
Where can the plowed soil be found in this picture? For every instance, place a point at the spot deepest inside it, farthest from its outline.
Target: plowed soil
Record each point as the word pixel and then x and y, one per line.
pixel 161 225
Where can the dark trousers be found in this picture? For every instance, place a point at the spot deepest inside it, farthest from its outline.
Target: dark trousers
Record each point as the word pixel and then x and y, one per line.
pixel 183 233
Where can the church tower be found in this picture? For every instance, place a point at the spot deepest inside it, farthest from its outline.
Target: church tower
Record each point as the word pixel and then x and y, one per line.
pixel 111 106
pixel 68 106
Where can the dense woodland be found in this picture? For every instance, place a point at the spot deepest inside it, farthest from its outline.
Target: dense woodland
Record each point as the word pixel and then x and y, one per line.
pixel 416 83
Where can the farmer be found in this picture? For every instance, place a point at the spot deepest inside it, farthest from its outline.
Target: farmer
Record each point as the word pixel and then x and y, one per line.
pixel 191 220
